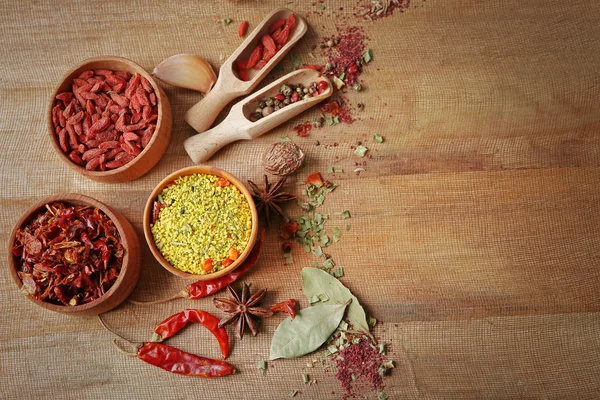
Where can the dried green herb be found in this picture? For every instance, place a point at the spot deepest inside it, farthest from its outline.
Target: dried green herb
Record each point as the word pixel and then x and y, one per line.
pixel 368 56
pixel 321 7
pixel 293 393
pixel 382 396
pixel 296 60
pixel 262 366
pixel 378 138
pixel 372 321
pixel 308 331
pixel 337 234
pixel 382 348
pixel 226 21
pixel 361 150
pixel 284 139
pixel 338 272
pixel 316 281
pixel 348 227
pixel 305 378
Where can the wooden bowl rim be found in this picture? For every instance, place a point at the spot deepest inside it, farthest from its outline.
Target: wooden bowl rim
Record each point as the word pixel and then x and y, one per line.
pixel 73 199
pixel 199 169
pixel 159 122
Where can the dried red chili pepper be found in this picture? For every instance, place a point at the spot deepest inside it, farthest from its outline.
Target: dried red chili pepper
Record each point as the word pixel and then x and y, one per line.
pixel 315 67
pixel 174 360
pixel 287 306
pixel 170 326
pixel 201 289
pixel 179 362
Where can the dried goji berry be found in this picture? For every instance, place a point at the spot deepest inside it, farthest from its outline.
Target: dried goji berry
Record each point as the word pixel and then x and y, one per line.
pixel 130 136
pixel 62 140
pixel 109 145
pixel 268 43
pixel 93 164
pixel 146 85
pixel 242 29
pixel 86 74
pixel 92 153
pixel 123 75
pixel 142 96
pixel 152 98
pixel 260 64
pixel 65 97
pixel 255 56
pixel 276 25
pixel 243 74
pixel 114 164
pixel 75 158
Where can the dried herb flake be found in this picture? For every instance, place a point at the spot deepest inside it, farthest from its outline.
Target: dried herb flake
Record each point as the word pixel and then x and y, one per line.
pixel 361 150
pixel 378 138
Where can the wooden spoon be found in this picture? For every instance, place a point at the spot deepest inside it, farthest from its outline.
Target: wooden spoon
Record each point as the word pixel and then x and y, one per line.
pixel 237 124
pixel 229 85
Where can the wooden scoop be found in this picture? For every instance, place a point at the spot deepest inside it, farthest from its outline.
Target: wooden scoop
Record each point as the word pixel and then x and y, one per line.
pixel 237 124
pixel 229 85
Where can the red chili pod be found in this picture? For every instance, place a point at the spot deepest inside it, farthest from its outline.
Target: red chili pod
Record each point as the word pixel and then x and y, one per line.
pixel 179 362
pixel 170 326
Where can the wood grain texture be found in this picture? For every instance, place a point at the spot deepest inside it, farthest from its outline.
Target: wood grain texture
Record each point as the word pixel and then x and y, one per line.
pixel 474 231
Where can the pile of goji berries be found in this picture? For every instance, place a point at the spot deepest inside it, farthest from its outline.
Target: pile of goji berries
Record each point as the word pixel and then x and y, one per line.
pixel 270 44
pixel 106 120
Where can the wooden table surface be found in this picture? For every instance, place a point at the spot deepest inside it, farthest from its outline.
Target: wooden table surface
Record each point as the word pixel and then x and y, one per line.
pixel 475 227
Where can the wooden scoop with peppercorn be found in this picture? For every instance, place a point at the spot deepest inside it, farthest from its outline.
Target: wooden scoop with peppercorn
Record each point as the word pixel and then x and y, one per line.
pixel 264 110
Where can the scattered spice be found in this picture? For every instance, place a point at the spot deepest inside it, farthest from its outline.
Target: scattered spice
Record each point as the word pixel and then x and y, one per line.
pixel 378 138
pixel 242 309
pixel 106 119
pixel 268 198
pixel 226 21
pixel 68 255
pixel 376 9
pixel 283 158
pixel 356 362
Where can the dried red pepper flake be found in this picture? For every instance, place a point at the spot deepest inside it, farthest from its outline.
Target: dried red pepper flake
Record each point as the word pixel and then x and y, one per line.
pixel 288 230
pixel 287 306
pixel 97 100
pixel 303 129
pixel 315 179
pixel 68 255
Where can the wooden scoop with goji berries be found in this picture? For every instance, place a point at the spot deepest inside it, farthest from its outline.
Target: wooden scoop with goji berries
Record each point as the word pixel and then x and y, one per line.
pixel 249 64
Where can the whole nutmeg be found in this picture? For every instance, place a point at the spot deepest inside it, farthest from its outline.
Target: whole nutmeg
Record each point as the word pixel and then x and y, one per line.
pixel 283 158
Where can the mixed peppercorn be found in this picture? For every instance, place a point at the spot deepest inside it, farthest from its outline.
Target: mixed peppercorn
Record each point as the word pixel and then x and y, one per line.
pixel 288 94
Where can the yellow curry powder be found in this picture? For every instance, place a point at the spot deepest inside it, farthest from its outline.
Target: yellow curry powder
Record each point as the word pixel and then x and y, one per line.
pixel 204 220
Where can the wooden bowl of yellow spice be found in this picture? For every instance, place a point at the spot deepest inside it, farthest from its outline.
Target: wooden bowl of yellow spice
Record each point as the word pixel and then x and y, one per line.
pixel 200 222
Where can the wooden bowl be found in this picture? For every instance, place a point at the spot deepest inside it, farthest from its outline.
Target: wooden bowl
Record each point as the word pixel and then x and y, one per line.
pixel 130 271
pixel 153 151
pixel 199 169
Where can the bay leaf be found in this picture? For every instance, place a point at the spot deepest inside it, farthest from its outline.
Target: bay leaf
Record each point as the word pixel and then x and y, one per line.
pixel 307 332
pixel 316 281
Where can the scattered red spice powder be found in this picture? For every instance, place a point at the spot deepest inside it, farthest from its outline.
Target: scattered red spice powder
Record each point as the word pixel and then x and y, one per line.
pixel 349 49
pixel 363 361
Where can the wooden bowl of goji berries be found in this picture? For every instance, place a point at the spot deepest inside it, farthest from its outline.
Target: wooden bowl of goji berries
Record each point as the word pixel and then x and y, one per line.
pixel 72 254
pixel 109 120
pixel 200 222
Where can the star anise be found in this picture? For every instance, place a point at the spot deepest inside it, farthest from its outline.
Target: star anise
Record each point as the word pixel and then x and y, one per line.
pixel 268 199
pixel 242 309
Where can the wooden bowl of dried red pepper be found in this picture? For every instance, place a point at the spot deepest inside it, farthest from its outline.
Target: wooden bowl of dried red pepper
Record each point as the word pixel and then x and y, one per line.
pixel 150 209
pixel 72 254
pixel 109 120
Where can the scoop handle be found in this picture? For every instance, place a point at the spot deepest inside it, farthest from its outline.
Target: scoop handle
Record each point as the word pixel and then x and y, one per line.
pixel 201 147
pixel 203 114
